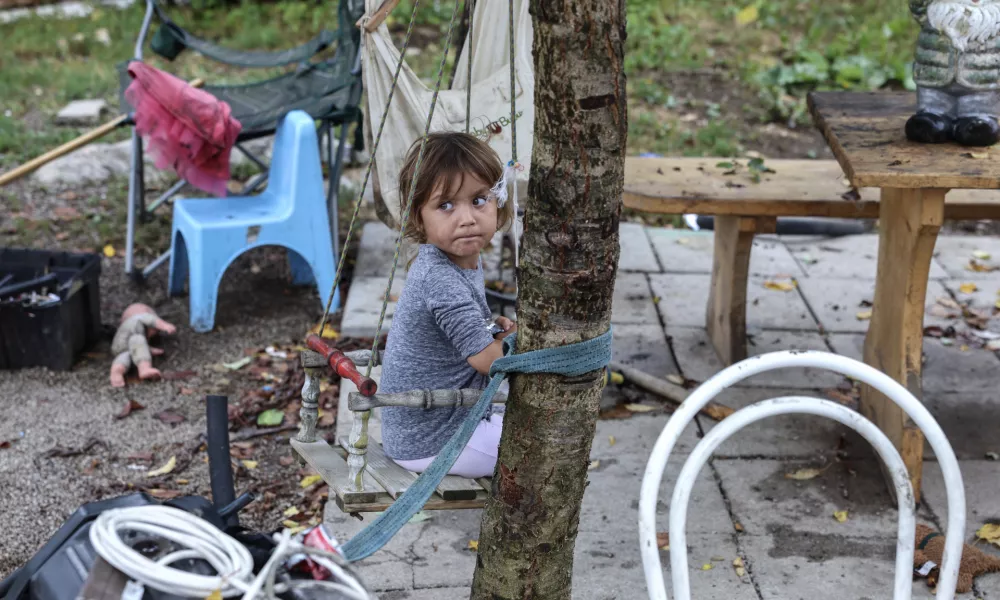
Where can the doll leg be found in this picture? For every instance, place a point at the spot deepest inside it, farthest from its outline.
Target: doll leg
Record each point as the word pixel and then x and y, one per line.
pixel 119 367
pixel 139 350
pixel 935 118
pixel 977 119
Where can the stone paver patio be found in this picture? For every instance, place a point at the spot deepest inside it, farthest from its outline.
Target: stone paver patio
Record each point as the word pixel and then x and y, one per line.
pixel 742 505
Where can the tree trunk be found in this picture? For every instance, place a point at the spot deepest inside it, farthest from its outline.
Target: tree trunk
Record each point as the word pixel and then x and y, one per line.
pixel 569 261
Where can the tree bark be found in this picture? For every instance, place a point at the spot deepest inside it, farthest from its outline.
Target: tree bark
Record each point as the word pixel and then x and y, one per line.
pixel 569 261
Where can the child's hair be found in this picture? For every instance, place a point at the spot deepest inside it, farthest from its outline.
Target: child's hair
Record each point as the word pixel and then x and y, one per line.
pixel 450 155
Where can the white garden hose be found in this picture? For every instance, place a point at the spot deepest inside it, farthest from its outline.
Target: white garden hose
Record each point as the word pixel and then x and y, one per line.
pixel 201 540
pixel 230 559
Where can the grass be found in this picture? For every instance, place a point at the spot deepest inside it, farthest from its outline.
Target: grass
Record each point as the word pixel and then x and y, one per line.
pixel 768 53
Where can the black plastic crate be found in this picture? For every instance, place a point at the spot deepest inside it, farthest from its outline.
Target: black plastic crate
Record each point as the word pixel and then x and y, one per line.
pixel 52 335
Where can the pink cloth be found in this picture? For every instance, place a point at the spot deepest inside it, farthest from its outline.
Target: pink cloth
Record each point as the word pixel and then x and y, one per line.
pixel 478 459
pixel 188 130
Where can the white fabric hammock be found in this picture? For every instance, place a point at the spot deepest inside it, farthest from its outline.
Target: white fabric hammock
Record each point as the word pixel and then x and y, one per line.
pixel 411 102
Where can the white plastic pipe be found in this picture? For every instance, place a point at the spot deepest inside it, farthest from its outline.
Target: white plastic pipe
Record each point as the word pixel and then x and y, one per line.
pixel 783 406
pixel 708 390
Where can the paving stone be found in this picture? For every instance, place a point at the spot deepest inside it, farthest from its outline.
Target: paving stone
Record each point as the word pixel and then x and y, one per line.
pixel 375 252
pixel 636 250
pixel 611 501
pixel 766 502
pixel 82 112
pixel 633 300
pixel 983 298
pixel 387 569
pixel 848 257
pixel 683 251
pixel 442 557
pixel 955 252
pixel 684 297
pixel 837 302
pixel 609 567
pixel 982 485
pixel 791 565
pixel 364 304
pixel 781 436
pixel 699 361
pixel 945 368
pixel 970 421
pixel 645 348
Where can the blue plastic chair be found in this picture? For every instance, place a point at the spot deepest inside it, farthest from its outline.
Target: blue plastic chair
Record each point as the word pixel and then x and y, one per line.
pixel 210 233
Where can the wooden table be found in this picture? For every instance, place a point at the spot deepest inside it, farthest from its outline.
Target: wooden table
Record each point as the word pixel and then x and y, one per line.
pixel 865 132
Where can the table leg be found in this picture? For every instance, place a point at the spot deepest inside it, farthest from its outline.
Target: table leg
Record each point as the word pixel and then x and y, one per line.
pixel 726 314
pixel 909 220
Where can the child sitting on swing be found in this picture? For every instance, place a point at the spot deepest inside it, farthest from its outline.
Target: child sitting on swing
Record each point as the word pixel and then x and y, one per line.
pixel 443 335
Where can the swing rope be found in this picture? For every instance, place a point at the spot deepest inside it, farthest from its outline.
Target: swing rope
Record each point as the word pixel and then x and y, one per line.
pixel 568 360
pixel 368 171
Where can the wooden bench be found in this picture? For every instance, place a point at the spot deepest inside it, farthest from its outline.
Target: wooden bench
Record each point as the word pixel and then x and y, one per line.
pixel 743 207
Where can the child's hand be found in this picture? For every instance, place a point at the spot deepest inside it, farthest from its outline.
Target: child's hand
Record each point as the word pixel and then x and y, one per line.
pixel 507 325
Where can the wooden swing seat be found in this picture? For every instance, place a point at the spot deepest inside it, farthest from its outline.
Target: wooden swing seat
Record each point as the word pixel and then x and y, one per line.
pixel 382 481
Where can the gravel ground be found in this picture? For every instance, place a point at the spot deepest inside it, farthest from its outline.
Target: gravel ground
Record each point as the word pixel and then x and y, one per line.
pixel 44 410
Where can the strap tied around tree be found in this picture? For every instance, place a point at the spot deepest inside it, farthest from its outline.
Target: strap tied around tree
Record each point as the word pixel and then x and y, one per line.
pixel 570 360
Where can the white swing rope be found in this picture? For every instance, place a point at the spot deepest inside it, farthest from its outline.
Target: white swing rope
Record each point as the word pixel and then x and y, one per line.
pixel 778 360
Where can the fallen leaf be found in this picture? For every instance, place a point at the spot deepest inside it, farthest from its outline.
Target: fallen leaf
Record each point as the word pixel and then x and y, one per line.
pixel 309 480
pixel 272 351
pixel 979 254
pixel 594 464
pixel 239 364
pixel 989 533
pixel 656 299
pixel 216 595
pixel 707 567
pixel 963 348
pixel 967 288
pixel 474 545
pixel 141 457
pixel 840 515
pixel 863 315
pixel 129 407
pixel 978 155
pixel 270 417
pixel 65 213
pixel 992 456
pixel 780 286
pixel 747 16
pixel 611 440
pixel 165 469
pixel 740 569
pixel 182 481
pixel 185 391
pixel 250 464
pixel 977 267
pixel 170 417
pixel 6 443
pixel 286 461
pixel 806 474
pixel 109 251
pixel 291 511
pixel 639 408
pixel 663 540
pixel 164 494
pixel 738 527
pixel 420 517
pixel 328 331
pixel 675 379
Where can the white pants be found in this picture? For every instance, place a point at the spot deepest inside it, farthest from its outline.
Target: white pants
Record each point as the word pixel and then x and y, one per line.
pixel 479 457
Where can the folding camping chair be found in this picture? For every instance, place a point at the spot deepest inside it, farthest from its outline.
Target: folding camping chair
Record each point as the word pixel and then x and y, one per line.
pixel 328 90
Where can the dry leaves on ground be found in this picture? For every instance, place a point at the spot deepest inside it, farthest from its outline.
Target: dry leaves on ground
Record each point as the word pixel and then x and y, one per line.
pixel 780 286
pixel 130 406
pixel 663 540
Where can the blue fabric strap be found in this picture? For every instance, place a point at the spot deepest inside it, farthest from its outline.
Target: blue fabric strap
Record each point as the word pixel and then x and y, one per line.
pixel 572 360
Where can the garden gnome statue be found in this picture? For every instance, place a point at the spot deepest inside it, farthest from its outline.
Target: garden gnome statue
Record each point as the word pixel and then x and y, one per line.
pixel 131 346
pixel 957 72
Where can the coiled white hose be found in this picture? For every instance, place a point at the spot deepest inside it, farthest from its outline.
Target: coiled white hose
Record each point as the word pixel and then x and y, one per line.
pixel 200 540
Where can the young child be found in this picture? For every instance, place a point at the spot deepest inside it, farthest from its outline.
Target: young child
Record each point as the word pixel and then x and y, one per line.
pixel 443 335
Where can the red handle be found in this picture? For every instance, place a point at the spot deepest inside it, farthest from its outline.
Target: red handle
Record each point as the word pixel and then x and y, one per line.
pixel 342 365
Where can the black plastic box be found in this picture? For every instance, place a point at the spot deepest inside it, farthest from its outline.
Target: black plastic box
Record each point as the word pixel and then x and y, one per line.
pixel 50 335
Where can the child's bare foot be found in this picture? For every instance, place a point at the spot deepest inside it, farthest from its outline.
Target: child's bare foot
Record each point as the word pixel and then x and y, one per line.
pixel 117 376
pixel 146 371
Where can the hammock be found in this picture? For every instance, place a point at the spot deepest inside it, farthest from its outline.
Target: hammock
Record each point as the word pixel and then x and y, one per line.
pixel 489 118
